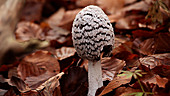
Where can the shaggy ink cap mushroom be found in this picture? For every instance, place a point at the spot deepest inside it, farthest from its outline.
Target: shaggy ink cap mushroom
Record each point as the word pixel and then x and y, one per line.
pixel 92 31
pixel 92 34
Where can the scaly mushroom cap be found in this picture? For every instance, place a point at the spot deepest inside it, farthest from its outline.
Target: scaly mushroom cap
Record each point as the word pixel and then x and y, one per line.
pixel 91 32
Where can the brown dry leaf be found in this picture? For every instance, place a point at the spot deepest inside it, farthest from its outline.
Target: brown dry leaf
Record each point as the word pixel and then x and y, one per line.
pixel 154 79
pixel 84 3
pixel 68 18
pixel 142 33
pixel 35 81
pixel 124 47
pixel 65 52
pixel 57 33
pixel 123 91
pixel 27 30
pixel 145 47
pixel 32 93
pixel 38 63
pixel 119 40
pixel 162 70
pixel 51 85
pixel 10 92
pixel 20 84
pixel 110 67
pixel 56 18
pixel 162 43
pixel 116 82
pixel 161 81
pixel 32 10
pixel 111 6
pixel 152 61
pixel 142 5
pixel 74 83
pixel 128 22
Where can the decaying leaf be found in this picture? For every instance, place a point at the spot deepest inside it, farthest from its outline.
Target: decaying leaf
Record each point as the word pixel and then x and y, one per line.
pixel 32 10
pixel 110 67
pixel 65 52
pixel 123 91
pixel 145 47
pixel 116 82
pixel 162 42
pixel 152 61
pixel 56 18
pixel 68 18
pixel 161 81
pixel 20 84
pixel 58 36
pixel 74 83
pixel 38 63
pixel 28 30
pixel 111 6
pixel 84 3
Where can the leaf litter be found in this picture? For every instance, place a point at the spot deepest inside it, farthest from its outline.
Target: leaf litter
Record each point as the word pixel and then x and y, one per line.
pixel 142 43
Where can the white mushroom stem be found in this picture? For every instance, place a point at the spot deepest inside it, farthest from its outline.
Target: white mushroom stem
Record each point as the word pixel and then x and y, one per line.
pixel 94 77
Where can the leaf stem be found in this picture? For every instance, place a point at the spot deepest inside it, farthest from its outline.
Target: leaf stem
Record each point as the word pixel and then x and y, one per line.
pixel 141 85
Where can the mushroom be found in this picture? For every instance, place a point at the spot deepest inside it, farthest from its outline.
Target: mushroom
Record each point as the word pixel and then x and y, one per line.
pixel 93 35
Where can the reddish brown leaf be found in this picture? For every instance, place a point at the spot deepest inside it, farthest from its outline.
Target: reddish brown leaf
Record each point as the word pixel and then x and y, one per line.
pixel 152 61
pixel 162 43
pixel 35 81
pixel 20 84
pixel 111 6
pixel 162 70
pixel 110 67
pixel 123 91
pixel 51 85
pixel 116 82
pixel 68 18
pixel 142 33
pixel 65 52
pixel 28 30
pixel 161 81
pixel 145 47
pixel 38 63
pixel 74 83
pixel 32 10
pixel 56 18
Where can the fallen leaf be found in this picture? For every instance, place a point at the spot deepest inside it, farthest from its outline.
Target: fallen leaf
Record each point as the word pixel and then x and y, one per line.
pixel 152 61
pixel 123 91
pixel 116 82
pixel 129 21
pixel 56 18
pixel 51 85
pixel 34 82
pixel 65 52
pixel 145 47
pixel 110 67
pixel 111 6
pixel 66 22
pixel 84 3
pixel 142 33
pixel 58 34
pixel 161 81
pixel 141 5
pixel 162 70
pixel 162 42
pixel 74 83
pixel 38 63
pixel 27 30
pixel 20 84
pixel 32 10
pixel 10 92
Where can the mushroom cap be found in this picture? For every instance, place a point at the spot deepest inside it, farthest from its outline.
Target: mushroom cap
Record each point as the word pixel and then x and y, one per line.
pixel 91 32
